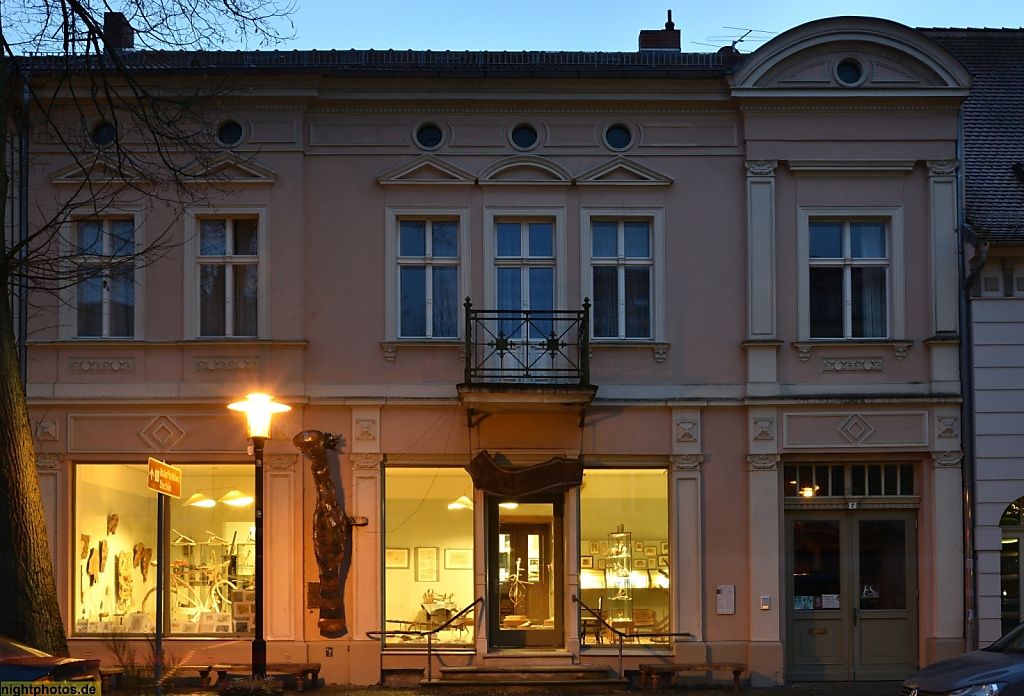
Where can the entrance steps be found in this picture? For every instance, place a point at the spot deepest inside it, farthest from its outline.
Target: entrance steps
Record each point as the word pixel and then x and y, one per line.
pixel 582 677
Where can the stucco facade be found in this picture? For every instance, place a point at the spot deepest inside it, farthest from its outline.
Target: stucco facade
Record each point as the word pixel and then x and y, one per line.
pixel 733 386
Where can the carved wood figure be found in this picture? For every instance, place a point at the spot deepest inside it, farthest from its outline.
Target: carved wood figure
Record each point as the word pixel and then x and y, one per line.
pixel 330 530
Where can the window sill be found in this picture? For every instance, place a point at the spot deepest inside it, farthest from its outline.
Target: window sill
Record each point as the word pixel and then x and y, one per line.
pixel 660 348
pixel 805 347
pixel 391 347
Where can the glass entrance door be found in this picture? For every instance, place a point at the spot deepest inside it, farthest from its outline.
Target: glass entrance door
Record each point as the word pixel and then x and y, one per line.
pixel 852 611
pixel 524 568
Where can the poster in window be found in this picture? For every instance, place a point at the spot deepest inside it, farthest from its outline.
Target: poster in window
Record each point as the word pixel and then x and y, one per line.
pixel 396 558
pixel 426 564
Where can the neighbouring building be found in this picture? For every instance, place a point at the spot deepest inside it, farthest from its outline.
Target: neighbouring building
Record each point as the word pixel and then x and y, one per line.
pixel 669 337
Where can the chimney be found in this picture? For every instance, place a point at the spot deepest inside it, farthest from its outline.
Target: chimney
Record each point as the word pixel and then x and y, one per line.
pixel 666 39
pixel 117 32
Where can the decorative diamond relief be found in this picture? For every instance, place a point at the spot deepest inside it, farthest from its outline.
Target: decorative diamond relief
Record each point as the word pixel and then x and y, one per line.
pixel 162 434
pixel 686 431
pixel 46 430
pixel 856 429
pixel 764 428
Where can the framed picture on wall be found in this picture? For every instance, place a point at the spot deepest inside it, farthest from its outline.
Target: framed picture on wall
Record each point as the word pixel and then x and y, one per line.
pixel 602 563
pixel 604 548
pixel 650 551
pixel 426 564
pixel 396 558
pixel 639 562
pixel 595 548
pixel 664 548
pixel 586 561
pixel 458 559
pixel 638 547
pixel 663 561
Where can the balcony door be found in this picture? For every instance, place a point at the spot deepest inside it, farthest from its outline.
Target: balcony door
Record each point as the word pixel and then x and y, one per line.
pixel 524 571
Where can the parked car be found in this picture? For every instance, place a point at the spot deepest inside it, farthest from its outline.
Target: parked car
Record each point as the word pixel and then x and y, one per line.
pixel 997 670
pixel 20 663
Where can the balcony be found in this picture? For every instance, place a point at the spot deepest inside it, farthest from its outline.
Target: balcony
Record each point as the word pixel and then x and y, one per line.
pixel 527 360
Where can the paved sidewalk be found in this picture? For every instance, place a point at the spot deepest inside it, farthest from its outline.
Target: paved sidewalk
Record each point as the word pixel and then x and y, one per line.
pixel 888 688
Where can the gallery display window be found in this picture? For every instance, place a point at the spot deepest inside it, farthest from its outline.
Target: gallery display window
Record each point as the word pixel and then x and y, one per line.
pixel 209 583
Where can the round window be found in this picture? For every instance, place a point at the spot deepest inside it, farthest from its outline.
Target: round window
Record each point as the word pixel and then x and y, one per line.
pixel 524 136
pixel 849 72
pixel 103 134
pixel 618 137
pixel 229 133
pixel 429 135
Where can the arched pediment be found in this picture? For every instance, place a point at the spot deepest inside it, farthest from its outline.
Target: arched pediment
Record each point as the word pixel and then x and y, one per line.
pixel 427 169
pixel 96 168
pixel 892 56
pixel 229 168
pixel 525 169
pixel 622 171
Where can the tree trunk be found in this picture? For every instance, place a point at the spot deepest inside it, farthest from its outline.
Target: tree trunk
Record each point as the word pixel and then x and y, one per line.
pixel 29 610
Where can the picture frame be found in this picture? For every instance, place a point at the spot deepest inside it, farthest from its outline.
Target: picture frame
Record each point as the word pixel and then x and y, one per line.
pixel 604 548
pixel 650 551
pixel 663 561
pixel 458 559
pixel 426 564
pixel 396 558
pixel 138 622
pixel 640 563
pixel 638 547
pixel 664 548
pixel 586 561
pixel 602 564
pixel 595 548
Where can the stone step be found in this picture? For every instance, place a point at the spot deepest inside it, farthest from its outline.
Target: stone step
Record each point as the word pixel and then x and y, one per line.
pixel 535 676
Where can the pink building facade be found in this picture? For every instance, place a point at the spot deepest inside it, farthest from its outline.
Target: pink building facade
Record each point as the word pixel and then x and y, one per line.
pixel 711 297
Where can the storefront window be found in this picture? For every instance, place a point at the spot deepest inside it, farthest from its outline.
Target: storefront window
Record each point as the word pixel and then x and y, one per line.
pixel 428 553
pixel 625 558
pixel 210 538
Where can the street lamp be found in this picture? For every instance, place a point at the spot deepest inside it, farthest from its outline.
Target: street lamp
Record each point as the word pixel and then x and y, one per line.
pixel 258 409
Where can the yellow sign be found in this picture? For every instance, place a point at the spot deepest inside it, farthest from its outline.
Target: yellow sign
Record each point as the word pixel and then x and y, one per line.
pixel 164 478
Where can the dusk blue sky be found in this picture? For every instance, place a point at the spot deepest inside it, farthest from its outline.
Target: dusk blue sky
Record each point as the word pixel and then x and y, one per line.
pixel 603 25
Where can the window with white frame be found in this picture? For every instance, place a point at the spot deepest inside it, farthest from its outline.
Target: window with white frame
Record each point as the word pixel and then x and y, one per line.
pixel 428 277
pixel 227 275
pixel 849 279
pixel 104 294
pixel 623 251
pixel 851 285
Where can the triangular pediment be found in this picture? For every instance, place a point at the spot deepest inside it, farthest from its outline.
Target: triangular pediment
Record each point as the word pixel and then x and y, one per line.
pixel 229 168
pixel 96 169
pixel 622 171
pixel 525 170
pixel 427 169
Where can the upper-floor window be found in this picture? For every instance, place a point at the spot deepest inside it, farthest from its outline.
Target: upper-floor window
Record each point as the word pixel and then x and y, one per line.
pixel 851 284
pixel 104 259
pixel 428 270
pixel 225 287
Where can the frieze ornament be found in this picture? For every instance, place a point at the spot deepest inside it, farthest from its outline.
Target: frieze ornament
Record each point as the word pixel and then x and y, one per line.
pixel 852 365
pixel 226 365
pixel 761 167
pixel 764 462
pixel 947 459
pixel 49 460
pixel 686 462
pixel 280 461
pixel 942 167
pixel 105 365
pixel 372 460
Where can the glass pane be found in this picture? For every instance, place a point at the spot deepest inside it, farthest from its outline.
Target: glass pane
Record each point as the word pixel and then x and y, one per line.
pixel 889 478
pixel 637 240
pixel 542 297
pixel 1011 515
pixel 541 240
pixel 627 584
pixel 213 236
pixel 883 564
pixel 858 480
pixel 509 239
pixel 444 239
pixel 122 237
pixel 838 480
pixel 1009 582
pixel 212 300
pixel 816 566
pixel 605 243
pixel 868 302
pixel 606 302
pixel 826 300
pixel 826 240
pixel 526 596
pixel 413 281
pixel 789 481
pixel 246 295
pixel 510 297
pixel 428 556
pixel 867 240
pixel 638 302
pixel 445 301
pixel 874 479
pixel 90 237
pixel 906 479
pixel 821 480
pixel 412 238
pixel 89 304
pixel 245 237
pixel 122 302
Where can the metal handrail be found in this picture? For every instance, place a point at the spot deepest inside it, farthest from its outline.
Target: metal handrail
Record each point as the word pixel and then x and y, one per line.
pixel 429 634
pixel 622 636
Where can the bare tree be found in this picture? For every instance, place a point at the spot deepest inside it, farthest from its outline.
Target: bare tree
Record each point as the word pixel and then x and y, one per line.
pixel 65 70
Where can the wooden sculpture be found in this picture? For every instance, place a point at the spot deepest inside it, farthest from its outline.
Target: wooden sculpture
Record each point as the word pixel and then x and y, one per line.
pixel 330 530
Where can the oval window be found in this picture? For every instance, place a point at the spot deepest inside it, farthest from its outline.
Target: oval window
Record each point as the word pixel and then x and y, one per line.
pixel 229 133
pixel 103 134
pixel 618 137
pixel 429 136
pixel 524 136
pixel 849 72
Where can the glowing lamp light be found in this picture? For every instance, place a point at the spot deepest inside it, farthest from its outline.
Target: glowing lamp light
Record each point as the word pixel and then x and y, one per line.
pixel 235 498
pixel 461 503
pixel 258 408
pixel 807 491
pixel 199 500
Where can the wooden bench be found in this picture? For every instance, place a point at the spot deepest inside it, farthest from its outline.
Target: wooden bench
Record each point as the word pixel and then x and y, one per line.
pixel 659 675
pixel 307 674
pixel 107 672
pixel 204 672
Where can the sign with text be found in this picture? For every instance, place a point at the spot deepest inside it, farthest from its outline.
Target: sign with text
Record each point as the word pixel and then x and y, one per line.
pixel 164 478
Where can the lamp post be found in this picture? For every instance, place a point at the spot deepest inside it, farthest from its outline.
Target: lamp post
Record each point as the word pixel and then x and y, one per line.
pixel 258 409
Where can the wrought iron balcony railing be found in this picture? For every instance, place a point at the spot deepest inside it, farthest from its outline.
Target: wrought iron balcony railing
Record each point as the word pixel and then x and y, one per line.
pixel 528 346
